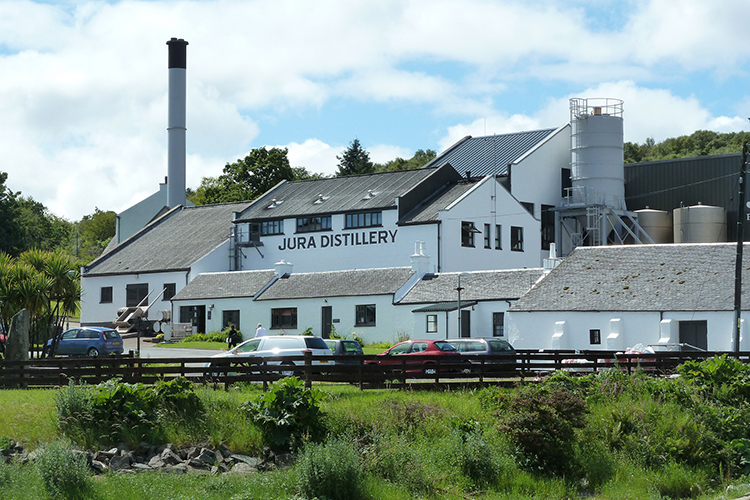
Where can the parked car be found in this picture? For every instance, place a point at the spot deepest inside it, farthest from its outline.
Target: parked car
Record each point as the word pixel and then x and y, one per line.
pixel 345 348
pixel 88 341
pixel 279 345
pixel 472 347
pixel 422 352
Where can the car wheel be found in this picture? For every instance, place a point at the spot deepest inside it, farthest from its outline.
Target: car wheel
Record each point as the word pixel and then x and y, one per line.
pixel 93 352
pixel 430 371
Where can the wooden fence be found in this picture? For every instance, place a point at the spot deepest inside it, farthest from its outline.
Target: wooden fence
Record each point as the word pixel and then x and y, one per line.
pixel 362 371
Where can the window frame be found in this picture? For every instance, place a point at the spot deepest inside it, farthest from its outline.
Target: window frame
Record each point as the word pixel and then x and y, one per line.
pixel 313 224
pixel 135 293
pixel 498 321
pixel 278 316
pixel 228 318
pixel 498 236
pixel 365 315
pixel 363 219
pixel 432 323
pixel 487 236
pixel 595 336
pixel 103 295
pixel 547 220
pixel 468 229
pixel 516 238
pixel 170 290
pixel 272 227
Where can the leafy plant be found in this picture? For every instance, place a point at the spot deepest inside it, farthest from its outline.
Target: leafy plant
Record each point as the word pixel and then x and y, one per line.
pixel 287 414
pixel 64 472
pixel 330 471
pixel 541 424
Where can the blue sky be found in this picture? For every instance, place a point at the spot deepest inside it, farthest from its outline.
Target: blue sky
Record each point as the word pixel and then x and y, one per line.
pixel 83 84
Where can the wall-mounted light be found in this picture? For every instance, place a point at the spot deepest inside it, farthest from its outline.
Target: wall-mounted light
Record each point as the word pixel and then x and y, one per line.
pixel 211 307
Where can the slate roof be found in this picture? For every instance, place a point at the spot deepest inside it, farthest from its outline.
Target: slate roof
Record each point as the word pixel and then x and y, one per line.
pixel 506 284
pixel 225 285
pixel 428 211
pixel 489 154
pixel 173 242
pixel 674 277
pixel 357 282
pixel 340 194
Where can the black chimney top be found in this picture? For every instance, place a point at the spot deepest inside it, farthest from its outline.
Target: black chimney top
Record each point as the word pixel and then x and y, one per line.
pixel 177 53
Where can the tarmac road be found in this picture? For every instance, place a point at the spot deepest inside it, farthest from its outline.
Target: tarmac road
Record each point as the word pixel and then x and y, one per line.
pixel 149 350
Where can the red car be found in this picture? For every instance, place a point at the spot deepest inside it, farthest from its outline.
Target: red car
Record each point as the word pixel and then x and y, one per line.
pixel 421 352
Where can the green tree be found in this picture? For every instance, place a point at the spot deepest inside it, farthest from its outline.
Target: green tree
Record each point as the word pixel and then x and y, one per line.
pixel 249 177
pixel 93 233
pixel 46 284
pixel 41 229
pixel 354 160
pixel 420 159
pixel 10 228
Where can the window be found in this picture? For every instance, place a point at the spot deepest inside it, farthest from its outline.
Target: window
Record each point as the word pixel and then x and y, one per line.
pixel 595 337
pixel 548 226
pixel 516 238
pixel 105 296
pixel 498 324
pixel 566 181
pixel 365 315
pixel 528 206
pixel 432 326
pixel 134 294
pixel 498 237
pixel 169 291
pixel 487 236
pixel 284 318
pixel 467 234
pixel 272 227
pixel 309 224
pixel 230 318
pixel 365 219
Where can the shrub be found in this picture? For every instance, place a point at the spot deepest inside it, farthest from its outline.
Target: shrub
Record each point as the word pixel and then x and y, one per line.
pixel 75 413
pixel 64 472
pixel 678 481
pixel 399 461
pixel 329 471
pixel 541 424
pixel 477 459
pixel 287 414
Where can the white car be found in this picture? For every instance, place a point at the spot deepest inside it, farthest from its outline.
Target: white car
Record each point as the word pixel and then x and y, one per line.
pixel 280 345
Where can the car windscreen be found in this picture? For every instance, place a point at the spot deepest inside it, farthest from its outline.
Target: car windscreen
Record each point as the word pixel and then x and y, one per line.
pixel 111 334
pixel 351 346
pixel 445 346
pixel 499 346
pixel 315 343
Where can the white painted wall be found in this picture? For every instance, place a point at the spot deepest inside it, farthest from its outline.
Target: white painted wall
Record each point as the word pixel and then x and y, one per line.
pixel 537 176
pixel 217 260
pixel 93 312
pixel 135 218
pixel 480 323
pixel 536 330
pixel 488 203
pixel 364 248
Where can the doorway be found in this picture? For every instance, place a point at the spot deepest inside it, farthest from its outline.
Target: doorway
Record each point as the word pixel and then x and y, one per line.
pixel 694 333
pixel 465 324
pixel 327 321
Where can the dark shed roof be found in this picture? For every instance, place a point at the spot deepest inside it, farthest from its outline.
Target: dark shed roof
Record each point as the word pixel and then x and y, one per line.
pixel 225 285
pixel 507 284
pixel 173 242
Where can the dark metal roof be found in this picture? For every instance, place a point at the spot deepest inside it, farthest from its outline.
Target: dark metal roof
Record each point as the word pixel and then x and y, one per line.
pixel 480 285
pixel 335 195
pixel 357 282
pixel 225 285
pixel 445 306
pixel 490 154
pixel 428 211
pixel 639 278
pixel 173 242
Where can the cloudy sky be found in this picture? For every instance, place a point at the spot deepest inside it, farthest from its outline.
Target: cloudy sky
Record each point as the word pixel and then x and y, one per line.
pixel 83 85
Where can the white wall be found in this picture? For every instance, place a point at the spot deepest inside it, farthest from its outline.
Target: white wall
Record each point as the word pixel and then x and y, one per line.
pixel 364 248
pixel 135 218
pixel 480 323
pixel 93 312
pixel 537 176
pixel 535 330
pixel 216 261
pixel 488 203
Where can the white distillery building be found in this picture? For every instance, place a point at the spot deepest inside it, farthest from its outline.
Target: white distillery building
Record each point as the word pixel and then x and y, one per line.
pixel 615 297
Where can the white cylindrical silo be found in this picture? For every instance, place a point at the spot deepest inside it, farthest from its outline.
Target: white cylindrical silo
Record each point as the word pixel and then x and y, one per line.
pixel 700 224
pixel 597 170
pixel 656 223
pixel 176 122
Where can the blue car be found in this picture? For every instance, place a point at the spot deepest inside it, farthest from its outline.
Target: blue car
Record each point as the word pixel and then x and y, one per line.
pixel 88 341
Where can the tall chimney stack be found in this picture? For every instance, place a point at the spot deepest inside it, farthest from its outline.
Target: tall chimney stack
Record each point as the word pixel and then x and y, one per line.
pixel 176 125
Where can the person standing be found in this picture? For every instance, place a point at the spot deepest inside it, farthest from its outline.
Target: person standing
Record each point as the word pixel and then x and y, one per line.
pixel 260 332
pixel 232 338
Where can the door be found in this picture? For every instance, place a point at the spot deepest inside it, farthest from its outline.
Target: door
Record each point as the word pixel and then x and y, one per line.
pixel 694 333
pixel 465 324
pixel 327 321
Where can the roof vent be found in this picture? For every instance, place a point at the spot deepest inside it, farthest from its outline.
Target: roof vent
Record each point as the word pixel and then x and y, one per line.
pixel 321 199
pixel 275 203
pixel 371 194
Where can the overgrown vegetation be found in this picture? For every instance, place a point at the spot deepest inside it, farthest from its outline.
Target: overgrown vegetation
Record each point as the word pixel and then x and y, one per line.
pixel 608 435
pixel 699 143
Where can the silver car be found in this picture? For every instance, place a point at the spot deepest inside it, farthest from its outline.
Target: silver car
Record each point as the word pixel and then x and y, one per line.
pixel 501 350
pixel 272 346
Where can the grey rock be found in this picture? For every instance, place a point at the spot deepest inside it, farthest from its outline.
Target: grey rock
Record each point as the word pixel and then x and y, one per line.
pixel 120 462
pixel 175 469
pixel 207 456
pixel 141 467
pixel 156 462
pixel 251 461
pixel 243 468
pixel 168 456
pixel 98 467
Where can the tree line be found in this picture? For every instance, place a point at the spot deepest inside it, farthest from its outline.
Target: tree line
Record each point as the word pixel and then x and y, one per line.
pixel 699 143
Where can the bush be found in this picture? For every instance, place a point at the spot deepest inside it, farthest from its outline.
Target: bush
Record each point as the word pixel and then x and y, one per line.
pixel 64 472
pixel 541 424
pixel 75 414
pixel 477 459
pixel 329 471
pixel 287 414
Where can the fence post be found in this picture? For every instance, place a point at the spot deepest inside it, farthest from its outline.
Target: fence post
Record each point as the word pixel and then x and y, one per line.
pixel 308 369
